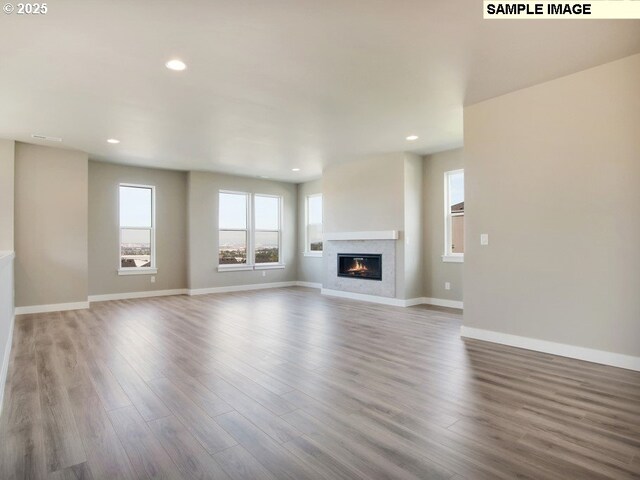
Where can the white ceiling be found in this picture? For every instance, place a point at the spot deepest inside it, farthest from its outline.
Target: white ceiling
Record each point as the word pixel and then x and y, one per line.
pixel 277 84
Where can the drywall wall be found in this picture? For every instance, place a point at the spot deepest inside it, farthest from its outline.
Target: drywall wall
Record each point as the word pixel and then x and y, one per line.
pixel 6 316
pixel 50 225
pixel 364 194
pixel 309 268
pixel 413 227
pixel 368 194
pixel 552 176
pixel 7 153
pixel 203 188
pixel 171 228
pixel 436 272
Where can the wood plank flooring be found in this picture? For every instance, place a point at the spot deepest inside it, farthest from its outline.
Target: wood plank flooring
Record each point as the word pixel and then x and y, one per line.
pixel 288 384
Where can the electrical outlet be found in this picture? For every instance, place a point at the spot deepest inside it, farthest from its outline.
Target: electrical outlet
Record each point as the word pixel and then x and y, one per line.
pixel 447 286
pixel 484 239
pixel 264 274
pixel 153 279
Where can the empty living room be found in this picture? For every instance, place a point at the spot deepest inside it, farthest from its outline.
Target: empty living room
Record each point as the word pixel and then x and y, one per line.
pixel 320 240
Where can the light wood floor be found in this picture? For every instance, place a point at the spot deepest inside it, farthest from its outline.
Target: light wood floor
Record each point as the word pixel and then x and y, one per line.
pixel 287 384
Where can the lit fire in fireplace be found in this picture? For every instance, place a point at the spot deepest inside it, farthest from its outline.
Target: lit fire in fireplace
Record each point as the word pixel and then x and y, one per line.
pixel 358 266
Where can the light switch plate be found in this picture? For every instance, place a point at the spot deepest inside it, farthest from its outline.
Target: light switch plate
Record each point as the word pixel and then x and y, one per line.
pixel 484 239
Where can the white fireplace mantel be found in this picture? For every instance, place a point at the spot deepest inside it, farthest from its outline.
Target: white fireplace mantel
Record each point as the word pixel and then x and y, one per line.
pixel 369 235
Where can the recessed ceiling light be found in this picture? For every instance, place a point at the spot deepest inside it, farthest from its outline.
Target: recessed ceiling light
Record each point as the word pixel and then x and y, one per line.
pixel 411 138
pixel 113 140
pixel 175 64
pixel 295 169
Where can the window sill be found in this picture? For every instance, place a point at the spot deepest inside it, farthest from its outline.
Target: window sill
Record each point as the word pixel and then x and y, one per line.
pixel 137 271
pixel 241 268
pixel 313 254
pixel 269 266
pixel 234 268
pixel 453 258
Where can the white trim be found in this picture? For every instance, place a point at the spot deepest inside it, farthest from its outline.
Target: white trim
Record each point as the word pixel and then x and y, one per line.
pixel 254 230
pixel 240 288
pixel 268 266
pixel 396 302
pixel 372 235
pixel 308 284
pixel 5 362
pixel 152 230
pixel 447 216
pixel 7 253
pixel 410 302
pixel 129 295
pixel 240 267
pixel 307 252
pixel 561 349
pixel 137 271
pixel 441 302
pixel 54 307
pixel 453 258
pixel 234 267
pixel 251 231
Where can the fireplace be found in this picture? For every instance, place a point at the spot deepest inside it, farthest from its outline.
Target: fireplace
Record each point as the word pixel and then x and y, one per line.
pixel 366 266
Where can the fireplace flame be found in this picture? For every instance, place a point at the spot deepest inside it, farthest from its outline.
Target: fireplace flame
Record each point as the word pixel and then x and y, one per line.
pixel 358 266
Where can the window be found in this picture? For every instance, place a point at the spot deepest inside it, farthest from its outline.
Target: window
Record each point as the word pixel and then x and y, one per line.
pixel 233 223
pixel 314 225
pixel 137 229
pixel 267 229
pixel 250 235
pixel 454 216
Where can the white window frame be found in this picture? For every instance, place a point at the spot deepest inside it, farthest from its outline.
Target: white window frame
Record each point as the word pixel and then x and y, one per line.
pixel 265 266
pixel 251 230
pixel 307 251
pixel 449 256
pixel 239 266
pixel 152 270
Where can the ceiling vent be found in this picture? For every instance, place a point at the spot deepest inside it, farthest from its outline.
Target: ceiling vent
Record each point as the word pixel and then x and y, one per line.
pixel 45 137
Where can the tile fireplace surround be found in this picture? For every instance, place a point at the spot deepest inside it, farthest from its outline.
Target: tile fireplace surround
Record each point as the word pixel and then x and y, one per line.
pixel 384 288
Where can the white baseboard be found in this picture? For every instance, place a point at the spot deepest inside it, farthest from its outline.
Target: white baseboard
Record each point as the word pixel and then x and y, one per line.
pixel 440 302
pixel 5 362
pixel 129 295
pixel 55 307
pixel 396 302
pixel 410 302
pixel 240 288
pixel 581 353
pixel 309 284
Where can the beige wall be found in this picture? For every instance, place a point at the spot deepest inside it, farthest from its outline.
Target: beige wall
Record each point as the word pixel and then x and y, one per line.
pixel 171 229
pixel 380 192
pixel 7 152
pixel 437 272
pixel 413 227
pixel 6 316
pixel 50 225
pixel 203 230
pixel 564 156
pixel 309 268
pixel 365 194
